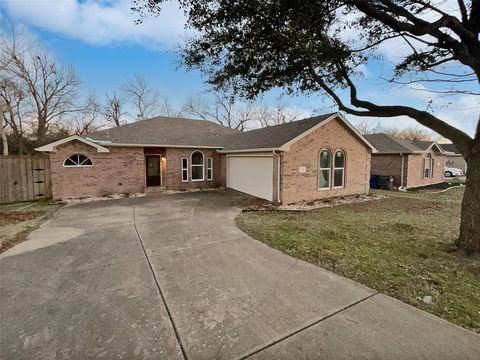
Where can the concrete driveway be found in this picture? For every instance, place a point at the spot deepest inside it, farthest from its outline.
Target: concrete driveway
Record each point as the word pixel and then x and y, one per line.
pixel 171 277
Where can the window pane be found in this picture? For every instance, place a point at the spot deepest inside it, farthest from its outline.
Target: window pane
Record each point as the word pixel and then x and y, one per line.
pixel 325 159
pixel 197 158
pixel 209 163
pixel 339 159
pixel 185 175
pixel 427 163
pixel 209 174
pixel 77 160
pixel 197 172
pixel 87 161
pixel 184 163
pixel 152 166
pixel 69 162
pixel 338 177
pixel 324 181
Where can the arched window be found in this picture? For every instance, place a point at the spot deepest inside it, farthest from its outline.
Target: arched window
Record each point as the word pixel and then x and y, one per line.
pixel 77 160
pixel 324 169
pixel 427 166
pixel 197 166
pixel 339 169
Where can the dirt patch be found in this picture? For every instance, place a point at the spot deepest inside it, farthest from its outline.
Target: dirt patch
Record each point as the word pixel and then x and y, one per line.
pixel 20 216
pixel 15 239
pixel 315 204
pixel 16 221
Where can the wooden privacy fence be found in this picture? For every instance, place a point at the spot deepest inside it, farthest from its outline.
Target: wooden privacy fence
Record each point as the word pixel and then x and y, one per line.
pixel 24 178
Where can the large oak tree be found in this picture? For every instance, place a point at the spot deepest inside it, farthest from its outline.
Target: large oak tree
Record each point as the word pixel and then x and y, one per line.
pixel 310 46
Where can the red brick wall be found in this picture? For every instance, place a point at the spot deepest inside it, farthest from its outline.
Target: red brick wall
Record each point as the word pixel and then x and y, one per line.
pixel 415 170
pixel 334 135
pixel 172 178
pixel 122 170
pixel 389 165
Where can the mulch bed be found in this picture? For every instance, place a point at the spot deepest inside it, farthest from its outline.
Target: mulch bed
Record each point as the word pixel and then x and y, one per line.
pixel 315 204
pixel 20 216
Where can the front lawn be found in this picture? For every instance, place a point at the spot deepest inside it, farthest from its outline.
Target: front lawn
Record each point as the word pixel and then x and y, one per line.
pixel 400 245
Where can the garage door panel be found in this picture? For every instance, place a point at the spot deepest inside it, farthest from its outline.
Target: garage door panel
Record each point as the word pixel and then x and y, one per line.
pixel 251 175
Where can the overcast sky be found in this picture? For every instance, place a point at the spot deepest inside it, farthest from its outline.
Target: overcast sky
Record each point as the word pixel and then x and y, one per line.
pixel 101 39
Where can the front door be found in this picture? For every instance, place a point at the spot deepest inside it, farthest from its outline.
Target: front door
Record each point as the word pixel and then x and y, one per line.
pixel 153 170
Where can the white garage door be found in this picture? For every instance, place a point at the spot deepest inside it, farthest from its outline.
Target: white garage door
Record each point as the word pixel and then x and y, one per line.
pixel 251 174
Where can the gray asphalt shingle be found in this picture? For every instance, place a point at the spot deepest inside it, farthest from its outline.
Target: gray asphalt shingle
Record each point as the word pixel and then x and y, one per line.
pixel 386 143
pixel 167 131
pixel 272 136
pixel 188 132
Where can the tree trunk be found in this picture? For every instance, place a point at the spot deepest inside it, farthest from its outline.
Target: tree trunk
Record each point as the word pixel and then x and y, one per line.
pixel 41 131
pixel 469 239
pixel 3 131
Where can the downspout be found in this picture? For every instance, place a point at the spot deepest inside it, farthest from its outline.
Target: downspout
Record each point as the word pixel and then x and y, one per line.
pixel 401 175
pixel 278 176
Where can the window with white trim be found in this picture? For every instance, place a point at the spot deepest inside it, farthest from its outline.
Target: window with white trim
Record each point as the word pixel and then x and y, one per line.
pixel 339 169
pixel 325 168
pixel 197 166
pixel 184 169
pixel 427 166
pixel 77 160
pixel 209 168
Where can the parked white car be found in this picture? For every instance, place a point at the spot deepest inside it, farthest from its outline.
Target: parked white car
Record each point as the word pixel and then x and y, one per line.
pixel 450 172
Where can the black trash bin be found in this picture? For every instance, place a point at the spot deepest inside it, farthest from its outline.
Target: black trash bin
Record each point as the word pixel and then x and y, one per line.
pixel 385 182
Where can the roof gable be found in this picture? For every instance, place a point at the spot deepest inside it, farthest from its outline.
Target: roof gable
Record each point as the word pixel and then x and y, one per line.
pixel 280 137
pixel 52 146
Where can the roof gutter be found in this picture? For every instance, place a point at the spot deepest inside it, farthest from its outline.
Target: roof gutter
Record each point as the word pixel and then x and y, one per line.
pixel 249 150
pixel 112 144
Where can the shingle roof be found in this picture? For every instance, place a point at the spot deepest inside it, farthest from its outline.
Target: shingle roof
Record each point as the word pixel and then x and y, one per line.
pixel 272 137
pixel 167 131
pixel 386 143
pixel 450 148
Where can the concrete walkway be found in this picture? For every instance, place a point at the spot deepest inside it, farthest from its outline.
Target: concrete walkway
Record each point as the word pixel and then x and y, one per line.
pixel 171 277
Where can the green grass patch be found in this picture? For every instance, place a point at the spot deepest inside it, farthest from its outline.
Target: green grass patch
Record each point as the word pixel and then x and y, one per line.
pixel 400 245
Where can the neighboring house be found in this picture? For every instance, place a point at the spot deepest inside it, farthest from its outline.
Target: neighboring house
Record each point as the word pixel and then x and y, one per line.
pixel 454 158
pixel 314 158
pixel 412 163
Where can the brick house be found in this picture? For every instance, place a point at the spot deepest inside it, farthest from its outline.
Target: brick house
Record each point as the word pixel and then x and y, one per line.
pixel 412 163
pixel 318 157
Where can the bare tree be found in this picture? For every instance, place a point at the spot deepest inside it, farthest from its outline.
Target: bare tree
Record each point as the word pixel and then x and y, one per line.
pixel 13 98
pixel 5 60
pixel 50 89
pixel 223 109
pixel 167 108
pixel 367 127
pixel 275 115
pixel 142 95
pixel 88 119
pixel 411 133
pixel 114 110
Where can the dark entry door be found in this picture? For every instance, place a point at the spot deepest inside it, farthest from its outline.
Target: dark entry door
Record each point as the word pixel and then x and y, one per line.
pixel 153 170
